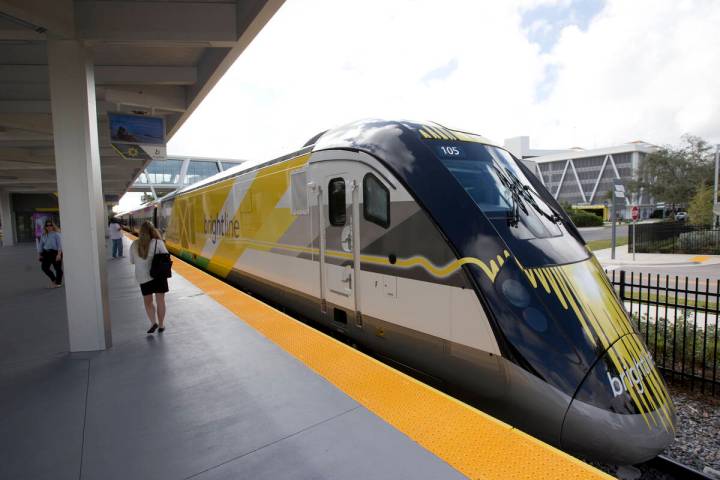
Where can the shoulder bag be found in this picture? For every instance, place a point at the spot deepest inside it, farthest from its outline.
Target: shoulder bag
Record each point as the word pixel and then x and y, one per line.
pixel 161 266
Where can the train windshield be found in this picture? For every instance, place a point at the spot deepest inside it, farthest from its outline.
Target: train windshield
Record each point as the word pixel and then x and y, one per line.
pixel 501 190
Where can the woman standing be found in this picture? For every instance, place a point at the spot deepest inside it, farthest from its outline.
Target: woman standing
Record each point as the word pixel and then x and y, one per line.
pixel 142 252
pixel 50 251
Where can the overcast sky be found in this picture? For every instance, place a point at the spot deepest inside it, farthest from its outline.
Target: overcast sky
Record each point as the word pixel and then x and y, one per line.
pixel 567 73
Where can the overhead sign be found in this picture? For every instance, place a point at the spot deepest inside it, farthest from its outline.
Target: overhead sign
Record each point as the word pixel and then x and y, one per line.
pixel 138 137
pixel 635 213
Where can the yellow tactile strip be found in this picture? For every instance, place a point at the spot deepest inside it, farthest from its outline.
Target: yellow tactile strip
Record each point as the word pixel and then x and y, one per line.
pixel 477 445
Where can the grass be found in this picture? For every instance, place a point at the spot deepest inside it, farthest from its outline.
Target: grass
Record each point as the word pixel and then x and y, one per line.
pixel 670 300
pixel 602 244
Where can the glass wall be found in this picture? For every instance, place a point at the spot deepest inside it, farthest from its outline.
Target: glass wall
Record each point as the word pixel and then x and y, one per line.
pixel 165 171
pixel 198 170
pixel 228 165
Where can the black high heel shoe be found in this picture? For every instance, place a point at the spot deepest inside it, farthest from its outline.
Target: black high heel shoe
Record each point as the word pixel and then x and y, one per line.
pixel 161 329
pixel 153 328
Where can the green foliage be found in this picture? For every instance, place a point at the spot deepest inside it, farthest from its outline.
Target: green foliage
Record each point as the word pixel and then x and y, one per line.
pixel 683 340
pixel 585 219
pixel 700 209
pixel 674 173
pixel 596 245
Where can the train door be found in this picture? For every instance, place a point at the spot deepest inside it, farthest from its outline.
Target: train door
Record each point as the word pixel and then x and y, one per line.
pixel 339 252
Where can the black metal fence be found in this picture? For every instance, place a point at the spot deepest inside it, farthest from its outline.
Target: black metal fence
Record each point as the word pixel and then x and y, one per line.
pixel 678 319
pixel 674 238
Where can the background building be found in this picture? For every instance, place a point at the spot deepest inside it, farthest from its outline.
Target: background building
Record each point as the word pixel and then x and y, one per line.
pixel 585 177
pixel 164 176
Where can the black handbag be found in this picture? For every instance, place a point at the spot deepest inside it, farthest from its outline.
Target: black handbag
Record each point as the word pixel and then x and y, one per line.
pixel 161 266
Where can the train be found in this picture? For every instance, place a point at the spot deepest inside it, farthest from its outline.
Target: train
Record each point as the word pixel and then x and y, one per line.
pixel 437 250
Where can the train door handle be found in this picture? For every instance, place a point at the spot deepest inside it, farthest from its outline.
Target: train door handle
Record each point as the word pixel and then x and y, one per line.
pixel 347 277
pixel 346 238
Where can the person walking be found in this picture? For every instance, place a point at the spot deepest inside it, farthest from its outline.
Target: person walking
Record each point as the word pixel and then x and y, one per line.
pixel 50 253
pixel 116 238
pixel 142 252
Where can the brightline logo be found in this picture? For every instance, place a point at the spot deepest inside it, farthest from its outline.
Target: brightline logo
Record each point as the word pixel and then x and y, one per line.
pixel 221 226
pixel 632 376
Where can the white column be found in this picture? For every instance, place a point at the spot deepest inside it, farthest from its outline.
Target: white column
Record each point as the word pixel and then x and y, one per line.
pixel 82 212
pixel 8 222
pixel 183 172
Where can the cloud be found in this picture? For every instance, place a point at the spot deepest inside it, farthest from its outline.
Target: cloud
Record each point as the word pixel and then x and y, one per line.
pixel 318 64
pixel 640 69
pixel 544 22
pixel 643 69
pixel 441 73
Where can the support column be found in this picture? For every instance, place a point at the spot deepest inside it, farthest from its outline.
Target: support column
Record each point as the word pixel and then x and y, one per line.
pixel 8 222
pixel 82 212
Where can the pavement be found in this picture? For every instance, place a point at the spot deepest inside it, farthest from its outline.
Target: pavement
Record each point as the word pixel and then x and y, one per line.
pixel 210 398
pixel 625 258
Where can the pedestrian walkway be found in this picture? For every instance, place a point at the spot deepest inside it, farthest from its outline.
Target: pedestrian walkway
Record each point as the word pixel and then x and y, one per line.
pixel 625 258
pixel 210 398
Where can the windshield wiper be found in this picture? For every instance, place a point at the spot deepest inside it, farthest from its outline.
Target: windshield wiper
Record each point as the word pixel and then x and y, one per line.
pixel 517 197
pixel 527 193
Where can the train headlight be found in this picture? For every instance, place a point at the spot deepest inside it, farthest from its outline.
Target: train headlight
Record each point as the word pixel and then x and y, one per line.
pixel 535 319
pixel 516 293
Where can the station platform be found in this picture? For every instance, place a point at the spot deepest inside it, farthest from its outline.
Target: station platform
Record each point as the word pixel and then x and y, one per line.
pixel 232 389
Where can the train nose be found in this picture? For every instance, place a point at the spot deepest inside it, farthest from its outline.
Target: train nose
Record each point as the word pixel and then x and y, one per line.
pixel 622 412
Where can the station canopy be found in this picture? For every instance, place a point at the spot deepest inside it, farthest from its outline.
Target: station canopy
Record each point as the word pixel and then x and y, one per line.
pixel 157 58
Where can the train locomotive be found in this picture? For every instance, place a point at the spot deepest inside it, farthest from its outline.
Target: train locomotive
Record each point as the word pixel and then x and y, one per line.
pixel 438 250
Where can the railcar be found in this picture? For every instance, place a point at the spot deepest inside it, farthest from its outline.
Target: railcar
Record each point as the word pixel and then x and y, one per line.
pixel 438 250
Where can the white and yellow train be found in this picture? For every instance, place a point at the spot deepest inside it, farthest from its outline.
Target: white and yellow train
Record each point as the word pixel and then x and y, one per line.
pixel 437 250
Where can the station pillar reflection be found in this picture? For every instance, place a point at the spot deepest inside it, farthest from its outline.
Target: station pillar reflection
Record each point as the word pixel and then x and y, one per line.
pixel 8 228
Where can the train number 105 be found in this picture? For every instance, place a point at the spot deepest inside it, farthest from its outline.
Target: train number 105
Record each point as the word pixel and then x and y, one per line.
pixel 449 151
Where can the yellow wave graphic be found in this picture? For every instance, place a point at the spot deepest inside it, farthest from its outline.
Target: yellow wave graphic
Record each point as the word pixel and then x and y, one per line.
pixel 606 324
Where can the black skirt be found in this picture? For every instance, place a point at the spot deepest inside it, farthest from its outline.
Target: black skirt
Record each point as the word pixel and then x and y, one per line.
pixel 156 285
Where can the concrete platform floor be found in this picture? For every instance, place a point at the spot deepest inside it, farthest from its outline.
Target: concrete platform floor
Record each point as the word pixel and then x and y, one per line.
pixel 209 399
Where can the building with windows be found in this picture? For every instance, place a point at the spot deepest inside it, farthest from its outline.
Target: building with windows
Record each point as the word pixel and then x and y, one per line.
pixel 585 177
pixel 164 176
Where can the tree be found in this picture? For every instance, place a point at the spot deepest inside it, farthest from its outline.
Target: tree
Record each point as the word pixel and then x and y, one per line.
pixel 700 209
pixel 673 174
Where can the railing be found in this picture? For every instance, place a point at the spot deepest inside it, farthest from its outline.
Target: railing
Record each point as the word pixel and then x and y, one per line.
pixel 677 317
pixel 674 238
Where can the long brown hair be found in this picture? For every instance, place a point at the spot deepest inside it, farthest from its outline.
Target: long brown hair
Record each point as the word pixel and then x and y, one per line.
pixel 147 233
pixel 53 226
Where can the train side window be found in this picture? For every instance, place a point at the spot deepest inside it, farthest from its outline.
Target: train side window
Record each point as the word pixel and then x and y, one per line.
pixel 376 201
pixel 298 193
pixel 336 201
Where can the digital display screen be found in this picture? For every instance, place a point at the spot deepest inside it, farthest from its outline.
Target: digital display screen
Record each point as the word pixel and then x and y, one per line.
pixel 137 129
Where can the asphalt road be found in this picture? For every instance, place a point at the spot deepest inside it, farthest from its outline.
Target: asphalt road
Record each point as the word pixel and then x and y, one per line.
pixel 700 271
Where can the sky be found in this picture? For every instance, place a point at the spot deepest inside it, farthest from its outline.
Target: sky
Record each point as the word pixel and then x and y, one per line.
pixel 588 73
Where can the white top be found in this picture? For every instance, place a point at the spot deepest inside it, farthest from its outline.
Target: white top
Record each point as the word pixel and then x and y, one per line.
pixel 115 231
pixel 142 265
